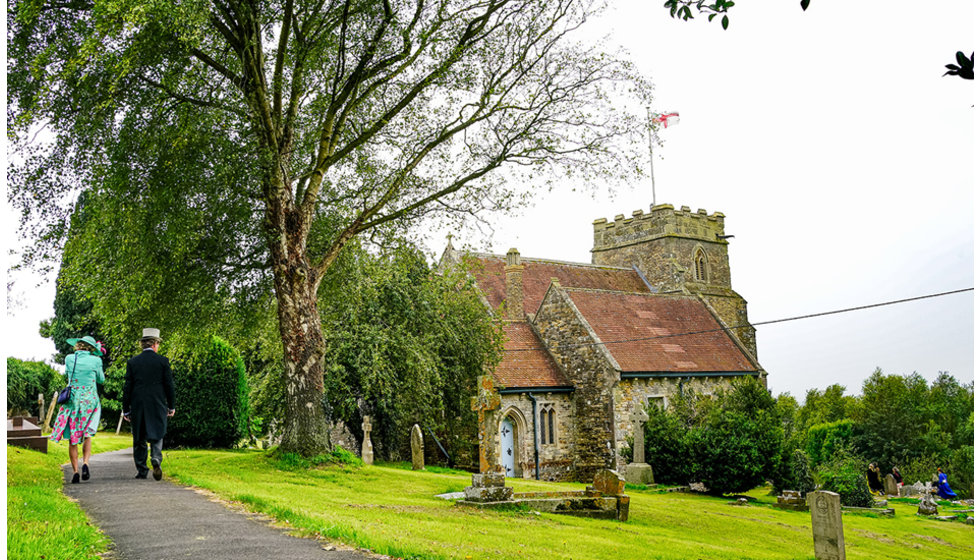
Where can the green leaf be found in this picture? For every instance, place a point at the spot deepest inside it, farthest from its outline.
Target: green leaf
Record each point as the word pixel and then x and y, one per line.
pixel 805 4
pixel 724 22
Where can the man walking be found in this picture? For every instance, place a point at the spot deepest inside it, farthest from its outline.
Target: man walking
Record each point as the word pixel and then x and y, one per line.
pixel 148 400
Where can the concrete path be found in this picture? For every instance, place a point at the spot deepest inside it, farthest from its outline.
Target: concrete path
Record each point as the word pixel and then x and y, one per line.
pixel 158 520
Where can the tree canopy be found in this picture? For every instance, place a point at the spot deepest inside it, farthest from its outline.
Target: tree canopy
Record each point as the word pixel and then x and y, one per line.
pixel 236 145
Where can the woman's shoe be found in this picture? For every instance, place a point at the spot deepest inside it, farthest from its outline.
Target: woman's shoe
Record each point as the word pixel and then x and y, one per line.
pixel 74 478
pixel 85 473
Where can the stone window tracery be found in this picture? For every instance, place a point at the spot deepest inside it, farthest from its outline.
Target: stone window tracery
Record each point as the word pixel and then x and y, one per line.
pixel 700 266
pixel 547 424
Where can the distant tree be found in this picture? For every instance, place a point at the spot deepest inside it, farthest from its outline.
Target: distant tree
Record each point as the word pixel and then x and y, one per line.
pixel 248 143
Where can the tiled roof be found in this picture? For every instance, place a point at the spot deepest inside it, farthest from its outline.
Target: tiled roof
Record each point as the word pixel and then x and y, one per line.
pixel 489 273
pixel 530 365
pixel 660 319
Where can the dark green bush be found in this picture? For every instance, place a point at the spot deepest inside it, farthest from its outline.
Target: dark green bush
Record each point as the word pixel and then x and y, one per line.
pixel 796 473
pixel 823 440
pixel 212 396
pixel 26 379
pixel 665 450
pixel 960 471
pixel 845 474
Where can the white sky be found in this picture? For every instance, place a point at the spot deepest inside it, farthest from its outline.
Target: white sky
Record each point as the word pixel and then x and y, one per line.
pixel 843 161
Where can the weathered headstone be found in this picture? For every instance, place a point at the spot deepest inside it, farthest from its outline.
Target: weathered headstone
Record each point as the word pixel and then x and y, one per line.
pixel 47 418
pixel 488 485
pixel 891 487
pixel 608 483
pixel 639 472
pixel 928 505
pixel 828 527
pixel 418 457
pixel 367 449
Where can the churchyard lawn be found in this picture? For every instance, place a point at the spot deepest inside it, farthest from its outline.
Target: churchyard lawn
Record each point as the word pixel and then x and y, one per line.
pixel 391 510
pixel 40 519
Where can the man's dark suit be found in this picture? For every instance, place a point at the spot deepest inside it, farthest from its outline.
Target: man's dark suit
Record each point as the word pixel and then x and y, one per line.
pixel 148 396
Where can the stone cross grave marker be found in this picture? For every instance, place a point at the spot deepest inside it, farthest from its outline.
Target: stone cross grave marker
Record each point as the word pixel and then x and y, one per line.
pixel 639 417
pixel 418 457
pixel 367 450
pixel 828 527
pixel 484 403
pixel 639 472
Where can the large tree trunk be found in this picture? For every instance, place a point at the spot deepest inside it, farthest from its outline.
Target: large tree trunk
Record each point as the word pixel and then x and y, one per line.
pixel 305 429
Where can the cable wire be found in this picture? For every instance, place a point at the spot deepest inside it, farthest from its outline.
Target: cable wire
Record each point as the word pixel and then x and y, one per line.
pixel 761 323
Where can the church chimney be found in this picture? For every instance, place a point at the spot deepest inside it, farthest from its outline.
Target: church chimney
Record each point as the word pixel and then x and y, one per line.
pixel 514 280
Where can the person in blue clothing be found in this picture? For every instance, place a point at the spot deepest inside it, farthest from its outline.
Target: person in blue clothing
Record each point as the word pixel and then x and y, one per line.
pixel 78 419
pixel 942 489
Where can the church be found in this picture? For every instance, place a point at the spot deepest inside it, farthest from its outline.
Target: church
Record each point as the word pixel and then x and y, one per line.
pixel 653 315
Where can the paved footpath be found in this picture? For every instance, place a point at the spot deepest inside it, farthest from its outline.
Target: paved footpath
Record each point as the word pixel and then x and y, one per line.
pixel 158 520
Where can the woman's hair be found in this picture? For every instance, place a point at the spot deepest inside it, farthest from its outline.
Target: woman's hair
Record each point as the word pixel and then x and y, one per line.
pixel 84 346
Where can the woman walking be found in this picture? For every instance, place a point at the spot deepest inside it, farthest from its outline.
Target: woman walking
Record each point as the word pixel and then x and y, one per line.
pixel 78 419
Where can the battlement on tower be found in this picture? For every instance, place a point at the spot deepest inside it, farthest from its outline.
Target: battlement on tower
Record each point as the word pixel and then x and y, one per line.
pixel 662 221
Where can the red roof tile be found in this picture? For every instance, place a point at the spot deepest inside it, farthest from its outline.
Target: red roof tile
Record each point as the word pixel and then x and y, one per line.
pixel 489 273
pixel 660 319
pixel 530 366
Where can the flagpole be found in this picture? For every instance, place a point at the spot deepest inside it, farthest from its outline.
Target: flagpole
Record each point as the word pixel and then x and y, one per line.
pixel 653 184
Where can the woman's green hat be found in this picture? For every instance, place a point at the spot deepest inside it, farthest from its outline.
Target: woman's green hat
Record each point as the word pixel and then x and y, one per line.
pixel 96 347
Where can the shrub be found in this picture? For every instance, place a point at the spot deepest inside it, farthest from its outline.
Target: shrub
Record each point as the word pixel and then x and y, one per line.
pixel 845 474
pixel 960 471
pixel 823 440
pixel 796 473
pixel 26 379
pixel 212 396
pixel 664 438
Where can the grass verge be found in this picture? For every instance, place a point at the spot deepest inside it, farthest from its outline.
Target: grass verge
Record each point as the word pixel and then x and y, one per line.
pixel 393 511
pixel 41 522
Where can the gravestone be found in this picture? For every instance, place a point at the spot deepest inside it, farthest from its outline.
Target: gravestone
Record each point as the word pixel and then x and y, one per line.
pixel 891 487
pixel 488 485
pixel 418 457
pixel 639 472
pixel 928 505
pixel 367 449
pixel 828 527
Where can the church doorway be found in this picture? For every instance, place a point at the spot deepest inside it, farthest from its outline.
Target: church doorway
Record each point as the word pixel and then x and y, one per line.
pixel 507 441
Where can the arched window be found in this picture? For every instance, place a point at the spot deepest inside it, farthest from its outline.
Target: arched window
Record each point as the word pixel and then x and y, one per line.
pixel 700 266
pixel 547 425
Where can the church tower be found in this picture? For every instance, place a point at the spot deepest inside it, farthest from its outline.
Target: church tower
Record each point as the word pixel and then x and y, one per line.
pixel 678 251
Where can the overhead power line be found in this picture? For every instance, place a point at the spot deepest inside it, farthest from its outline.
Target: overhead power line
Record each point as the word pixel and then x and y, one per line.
pixel 758 324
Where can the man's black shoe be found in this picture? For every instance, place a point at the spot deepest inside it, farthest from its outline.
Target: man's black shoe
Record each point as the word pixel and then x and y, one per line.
pixel 157 472
pixel 74 478
pixel 143 476
pixel 85 473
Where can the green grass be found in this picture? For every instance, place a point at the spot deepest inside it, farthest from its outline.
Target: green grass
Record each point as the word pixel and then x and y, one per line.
pixel 41 521
pixel 393 511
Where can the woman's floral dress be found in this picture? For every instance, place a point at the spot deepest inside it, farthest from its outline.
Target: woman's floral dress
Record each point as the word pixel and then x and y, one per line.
pixel 79 417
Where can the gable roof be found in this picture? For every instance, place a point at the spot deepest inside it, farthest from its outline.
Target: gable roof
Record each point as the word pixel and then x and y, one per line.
pixel 661 333
pixel 525 362
pixel 489 273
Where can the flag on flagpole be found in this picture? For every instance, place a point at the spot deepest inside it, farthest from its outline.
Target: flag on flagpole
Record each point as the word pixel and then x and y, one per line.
pixel 663 120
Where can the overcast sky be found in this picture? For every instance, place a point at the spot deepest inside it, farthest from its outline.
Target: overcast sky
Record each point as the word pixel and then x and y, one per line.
pixel 841 158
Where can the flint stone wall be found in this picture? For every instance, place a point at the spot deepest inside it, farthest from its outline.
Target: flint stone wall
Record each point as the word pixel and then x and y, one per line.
pixel 554 459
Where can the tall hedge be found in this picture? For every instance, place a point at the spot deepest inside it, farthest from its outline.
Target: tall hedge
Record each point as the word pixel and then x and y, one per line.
pixel 26 379
pixel 212 396
pixel 823 440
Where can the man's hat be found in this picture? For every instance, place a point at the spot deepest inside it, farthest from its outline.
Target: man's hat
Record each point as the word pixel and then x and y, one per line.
pixel 96 347
pixel 151 334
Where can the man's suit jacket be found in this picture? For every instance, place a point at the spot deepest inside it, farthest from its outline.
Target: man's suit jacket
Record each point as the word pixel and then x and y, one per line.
pixel 148 394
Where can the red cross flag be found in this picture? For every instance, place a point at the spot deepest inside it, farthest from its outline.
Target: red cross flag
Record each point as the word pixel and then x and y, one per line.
pixel 663 120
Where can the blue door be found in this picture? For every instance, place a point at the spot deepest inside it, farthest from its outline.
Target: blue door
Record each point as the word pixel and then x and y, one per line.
pixel 507 446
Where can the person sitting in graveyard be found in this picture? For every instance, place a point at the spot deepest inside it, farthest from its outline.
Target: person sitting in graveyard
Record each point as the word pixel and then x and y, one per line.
pixel 874 480
pixel 898 477
pixel 942 489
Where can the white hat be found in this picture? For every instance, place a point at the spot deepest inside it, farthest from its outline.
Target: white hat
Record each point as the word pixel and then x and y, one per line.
pixel 151 333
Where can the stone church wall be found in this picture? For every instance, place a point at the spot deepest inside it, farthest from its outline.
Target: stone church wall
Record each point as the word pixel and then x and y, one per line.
pixel 554 459
pixel 589 370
